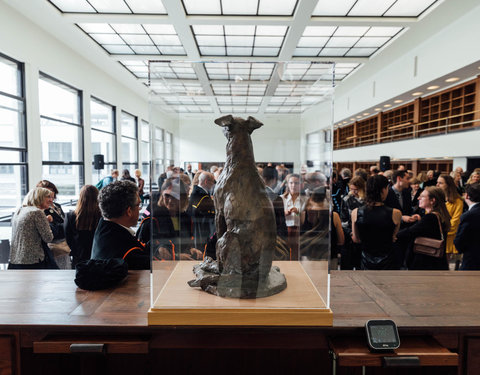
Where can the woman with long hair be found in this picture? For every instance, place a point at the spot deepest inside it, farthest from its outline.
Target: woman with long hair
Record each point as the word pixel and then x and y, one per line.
pixel 474 177
pixel 59 245
pixel 374 227
pixel 355 198
pixel 31 231
pixel 80 224
pixel 140 183
pixel 293 204
pixel 454 203
pixel 168 225
pixel 434 224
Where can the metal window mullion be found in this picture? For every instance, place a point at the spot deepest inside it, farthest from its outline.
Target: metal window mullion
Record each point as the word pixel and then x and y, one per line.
pixel 61 121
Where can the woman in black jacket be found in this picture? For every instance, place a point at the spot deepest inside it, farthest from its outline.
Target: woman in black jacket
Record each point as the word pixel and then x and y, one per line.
pixel 170 224
pixel 435 224
pixel 80 224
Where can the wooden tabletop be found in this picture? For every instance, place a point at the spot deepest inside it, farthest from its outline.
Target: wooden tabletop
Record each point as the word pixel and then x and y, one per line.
pixel 411 298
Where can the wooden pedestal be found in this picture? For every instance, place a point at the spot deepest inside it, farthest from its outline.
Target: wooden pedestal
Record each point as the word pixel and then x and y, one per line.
pixel 299 304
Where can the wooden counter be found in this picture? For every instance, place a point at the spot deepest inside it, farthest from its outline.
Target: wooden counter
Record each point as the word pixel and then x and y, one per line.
pixel 41 308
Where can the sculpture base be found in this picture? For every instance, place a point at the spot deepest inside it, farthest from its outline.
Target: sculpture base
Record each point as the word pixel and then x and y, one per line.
pixel 299 304
pixel 247 285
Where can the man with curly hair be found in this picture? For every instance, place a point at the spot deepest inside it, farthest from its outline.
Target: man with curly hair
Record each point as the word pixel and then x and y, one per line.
pixel 120 207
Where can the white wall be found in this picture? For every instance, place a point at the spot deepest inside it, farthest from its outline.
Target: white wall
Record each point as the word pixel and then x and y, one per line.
pixel 445 41
pixel 41 52
pixel 278 140
pixel 456 145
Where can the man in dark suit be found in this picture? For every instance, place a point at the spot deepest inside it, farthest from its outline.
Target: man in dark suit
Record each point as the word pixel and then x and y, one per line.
pixel 270 176
pixel 202 210
pixel 120 206
pixel 467 240
pixel 399 196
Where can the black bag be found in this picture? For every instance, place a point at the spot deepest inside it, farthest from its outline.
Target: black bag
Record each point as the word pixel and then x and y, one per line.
pixel 430 246
pixel 49 260
pixel 97 274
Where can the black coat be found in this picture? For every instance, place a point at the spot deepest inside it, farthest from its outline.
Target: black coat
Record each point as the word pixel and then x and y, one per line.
pixel 56 225
pixel 79 241
pixel 202 211
pixel 426 227
pixel 467 240
pixel 393 202
pixel 111 240
pixel 164 233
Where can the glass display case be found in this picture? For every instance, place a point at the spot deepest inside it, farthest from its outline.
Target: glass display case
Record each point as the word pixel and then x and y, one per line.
pixel 248 240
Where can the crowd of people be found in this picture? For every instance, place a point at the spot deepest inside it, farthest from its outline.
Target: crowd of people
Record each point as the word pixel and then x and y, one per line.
pixel 375 224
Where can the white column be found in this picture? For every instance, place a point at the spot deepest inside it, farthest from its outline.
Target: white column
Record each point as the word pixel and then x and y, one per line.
pixel 87 138
pixel 32 110
pixel 118 123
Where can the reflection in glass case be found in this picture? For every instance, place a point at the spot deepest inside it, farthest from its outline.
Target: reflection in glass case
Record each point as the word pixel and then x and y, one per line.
pixel 240 235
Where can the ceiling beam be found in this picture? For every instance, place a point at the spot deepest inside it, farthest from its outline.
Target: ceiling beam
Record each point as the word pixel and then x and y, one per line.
pixel 178 18
pixel 337 59
pixel 237 20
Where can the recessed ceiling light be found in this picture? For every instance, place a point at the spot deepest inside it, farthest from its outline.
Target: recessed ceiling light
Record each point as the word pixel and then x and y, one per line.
pixel 418 93
pixel 345 122
pixel 353 119
pixel 434 87
pixel 387 105
pixel 366 114
pixel 359 116
pixel 452 79
pixel 378 109
pixel 398 101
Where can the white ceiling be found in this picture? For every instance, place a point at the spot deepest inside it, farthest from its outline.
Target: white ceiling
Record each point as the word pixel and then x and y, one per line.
pixel 249 56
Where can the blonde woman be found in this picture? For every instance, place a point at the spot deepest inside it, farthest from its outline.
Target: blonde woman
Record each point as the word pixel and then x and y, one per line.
pixel 474 177
pixel 140 183
pixel 454 203
pixel 31 231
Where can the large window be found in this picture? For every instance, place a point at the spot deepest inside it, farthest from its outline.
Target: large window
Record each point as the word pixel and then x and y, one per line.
pixel 158 152
pixel 13 150
pixel 129 142
pixel 168 148
pixel 62 136
pixel 145 153
pixel 103 137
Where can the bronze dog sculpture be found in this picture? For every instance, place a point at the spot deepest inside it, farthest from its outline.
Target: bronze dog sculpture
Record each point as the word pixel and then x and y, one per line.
pixel 245 224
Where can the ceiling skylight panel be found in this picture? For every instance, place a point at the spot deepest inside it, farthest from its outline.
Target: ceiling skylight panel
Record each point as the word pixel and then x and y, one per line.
pixel 77 6
pixel 226 109
pixel 333 51
pixel 351 31
pixel 118 49
pixel 212 51
pixel 244 73
pixel 333 8
pixel 128 28
pixel 215 65
pixel 110 6
pixel 370 7
pixel 223 100
pixel 254 100
pixel 268 41
pixel 361 52
pixel 372 42
pixel 342 41
pixel 100 28
pixel 408 8
pixel 183 70
pixel 275 7
pixel 172 50
pixel 133 63
pixel 239 100
pixel 208 29
pixel 136 39
pixel 202 7
pixel 239 41
pixel 210 40
pixel 319 30
pixel 306 51
pixel 239 109
pixel 262 71
pixel 107 38
pixel 265 51
pixel 239 51
pixel 217 71
pixel 160 29
pixel 271 30
pixel 312 41
pixel 166 40
pixel 145 50
pixel 239 30
pixel 244 7
pixel 277 100
pixel 146 6
pixel 383 31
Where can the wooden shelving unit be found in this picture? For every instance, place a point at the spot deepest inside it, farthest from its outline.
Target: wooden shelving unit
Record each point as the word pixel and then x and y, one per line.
pixel 367 131
pixel 444 166
pixel 454 109
pixel 397 123
pixel 449 110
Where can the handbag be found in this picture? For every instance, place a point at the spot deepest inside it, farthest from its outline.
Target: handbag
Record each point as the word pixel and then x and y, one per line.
pixel 430 246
